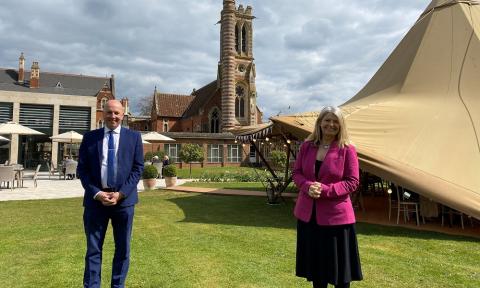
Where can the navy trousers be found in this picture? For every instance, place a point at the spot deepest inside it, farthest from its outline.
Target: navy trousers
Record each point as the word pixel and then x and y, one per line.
pixel 95 221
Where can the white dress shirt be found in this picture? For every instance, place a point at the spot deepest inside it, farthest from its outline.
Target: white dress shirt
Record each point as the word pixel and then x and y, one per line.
pixel 104 163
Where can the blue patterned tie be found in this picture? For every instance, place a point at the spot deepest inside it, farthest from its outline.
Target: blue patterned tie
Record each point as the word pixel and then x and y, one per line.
pixel 110 161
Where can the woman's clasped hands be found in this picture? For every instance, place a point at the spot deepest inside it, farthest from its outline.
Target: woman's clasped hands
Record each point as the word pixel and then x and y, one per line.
pixel 315 190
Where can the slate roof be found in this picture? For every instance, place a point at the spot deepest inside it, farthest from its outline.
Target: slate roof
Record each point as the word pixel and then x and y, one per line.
pixel 69 84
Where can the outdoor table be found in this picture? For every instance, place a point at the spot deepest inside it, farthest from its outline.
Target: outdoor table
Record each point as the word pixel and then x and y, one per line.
pixel 18 168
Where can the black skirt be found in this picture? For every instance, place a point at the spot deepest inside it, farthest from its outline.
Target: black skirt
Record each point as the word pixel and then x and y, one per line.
pixel 327 253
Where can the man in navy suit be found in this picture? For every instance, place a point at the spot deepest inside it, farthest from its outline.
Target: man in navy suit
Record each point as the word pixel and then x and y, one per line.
pixel 109 166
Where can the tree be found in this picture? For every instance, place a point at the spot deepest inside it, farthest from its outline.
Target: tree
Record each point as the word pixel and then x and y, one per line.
pixel 144 105
pixel 191 153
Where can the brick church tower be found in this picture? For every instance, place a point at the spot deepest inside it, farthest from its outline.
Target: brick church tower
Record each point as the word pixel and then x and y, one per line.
pixel 236 70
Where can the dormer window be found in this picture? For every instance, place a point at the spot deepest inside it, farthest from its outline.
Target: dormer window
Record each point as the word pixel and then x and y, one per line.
pixel 59 85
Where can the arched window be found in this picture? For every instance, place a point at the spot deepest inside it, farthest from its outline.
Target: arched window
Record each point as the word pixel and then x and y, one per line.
pixel 215 121
pixel 237 40
pixel 239 101
pixel 165 125
pixel 100 124
pixel 244 39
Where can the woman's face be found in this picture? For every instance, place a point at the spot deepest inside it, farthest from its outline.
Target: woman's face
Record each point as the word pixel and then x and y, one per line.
pixel 330 125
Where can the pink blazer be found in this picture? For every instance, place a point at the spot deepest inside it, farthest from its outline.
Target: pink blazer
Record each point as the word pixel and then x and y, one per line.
pixel 339 177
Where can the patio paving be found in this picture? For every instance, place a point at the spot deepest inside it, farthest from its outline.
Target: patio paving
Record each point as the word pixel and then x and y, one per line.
pixel 54 188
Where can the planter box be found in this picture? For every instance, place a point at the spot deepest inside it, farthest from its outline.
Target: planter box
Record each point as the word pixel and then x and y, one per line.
pixel 149 184
pixel 170 181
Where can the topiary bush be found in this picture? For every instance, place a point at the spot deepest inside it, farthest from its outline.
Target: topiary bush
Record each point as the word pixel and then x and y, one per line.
pixel 170 171
pixel 149 172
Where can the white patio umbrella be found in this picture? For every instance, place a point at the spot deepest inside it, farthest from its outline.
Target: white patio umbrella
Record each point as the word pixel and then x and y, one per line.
pixel 68 137
pixel 156 137
pixel 10 128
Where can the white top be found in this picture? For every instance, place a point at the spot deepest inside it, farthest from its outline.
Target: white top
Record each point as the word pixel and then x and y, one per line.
pixel 104 163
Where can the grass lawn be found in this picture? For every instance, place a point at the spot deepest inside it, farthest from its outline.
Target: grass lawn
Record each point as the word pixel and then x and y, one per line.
pixel 192 240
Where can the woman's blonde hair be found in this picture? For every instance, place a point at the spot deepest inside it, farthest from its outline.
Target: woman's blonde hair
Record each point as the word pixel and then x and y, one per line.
pixel 342 136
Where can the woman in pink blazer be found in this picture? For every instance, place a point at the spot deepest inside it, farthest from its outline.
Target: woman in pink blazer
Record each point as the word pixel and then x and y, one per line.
pixel 326 172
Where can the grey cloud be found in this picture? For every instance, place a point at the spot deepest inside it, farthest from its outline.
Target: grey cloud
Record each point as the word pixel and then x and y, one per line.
pixel 307 53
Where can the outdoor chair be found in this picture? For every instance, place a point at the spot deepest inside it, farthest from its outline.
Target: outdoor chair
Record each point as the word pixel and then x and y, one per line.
pixel 7 175
pixel 52 170
pixel 34 176
pixel 403 204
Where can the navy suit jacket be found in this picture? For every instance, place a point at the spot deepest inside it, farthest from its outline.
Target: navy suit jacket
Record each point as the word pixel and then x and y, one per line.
pixel 129 166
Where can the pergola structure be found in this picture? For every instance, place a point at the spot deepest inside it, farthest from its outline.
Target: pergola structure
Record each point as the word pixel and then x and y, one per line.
pixel 277 137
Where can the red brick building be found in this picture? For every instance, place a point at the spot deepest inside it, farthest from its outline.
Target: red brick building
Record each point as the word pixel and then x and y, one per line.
pixel 205 115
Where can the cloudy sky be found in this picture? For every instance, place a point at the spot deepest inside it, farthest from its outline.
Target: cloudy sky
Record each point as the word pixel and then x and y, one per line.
pixel 308 53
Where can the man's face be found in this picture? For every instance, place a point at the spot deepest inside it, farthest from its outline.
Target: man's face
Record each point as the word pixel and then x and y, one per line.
pixel 113 114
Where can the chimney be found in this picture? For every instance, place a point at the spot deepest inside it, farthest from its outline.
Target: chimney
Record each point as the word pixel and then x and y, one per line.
pixel 112 85
pixel 35 75
pixel 21 69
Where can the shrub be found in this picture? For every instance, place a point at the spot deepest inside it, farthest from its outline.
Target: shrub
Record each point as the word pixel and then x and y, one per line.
pixel 149 172
pixel 241 176
pixel 170 171
pixel 278 159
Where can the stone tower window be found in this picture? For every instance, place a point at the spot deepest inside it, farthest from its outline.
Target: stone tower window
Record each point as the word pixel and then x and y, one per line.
pixel 237 42
pixel 244 39
pixel 240 101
